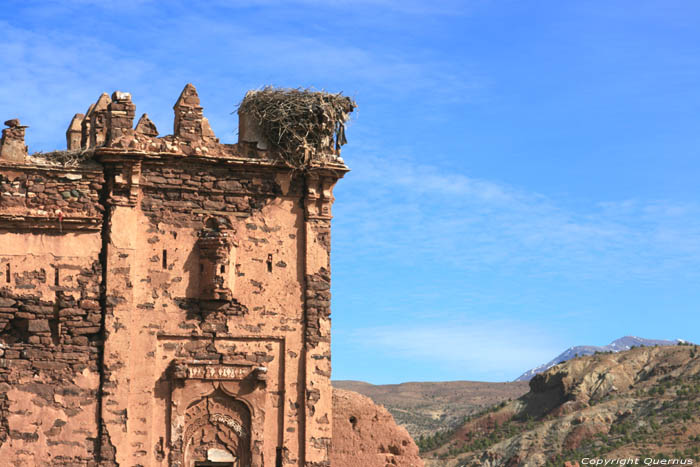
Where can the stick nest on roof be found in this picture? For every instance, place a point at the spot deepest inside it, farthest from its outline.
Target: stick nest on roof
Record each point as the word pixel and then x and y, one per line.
pixel 70 158
pixel 303 125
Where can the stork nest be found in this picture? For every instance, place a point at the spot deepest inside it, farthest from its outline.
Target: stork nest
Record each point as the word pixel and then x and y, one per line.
pixel 71 158
pixel 302 125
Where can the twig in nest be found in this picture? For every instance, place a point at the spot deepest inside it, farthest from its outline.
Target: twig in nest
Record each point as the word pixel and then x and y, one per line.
pixel 62 158
pixel 302 124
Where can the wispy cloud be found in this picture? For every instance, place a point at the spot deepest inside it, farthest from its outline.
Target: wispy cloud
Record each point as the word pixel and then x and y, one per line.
pixel 48 76
pixel 53 72
pixel 502 348
pixel 391 205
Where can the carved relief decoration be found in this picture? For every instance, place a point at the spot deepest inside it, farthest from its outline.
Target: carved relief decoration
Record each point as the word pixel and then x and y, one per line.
pixel 216 248
pixel 217 423
pixel 318 198
pixel 125 180
pixel 217 412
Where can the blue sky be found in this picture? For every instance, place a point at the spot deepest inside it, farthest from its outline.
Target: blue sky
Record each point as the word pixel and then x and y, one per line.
pixel 525 174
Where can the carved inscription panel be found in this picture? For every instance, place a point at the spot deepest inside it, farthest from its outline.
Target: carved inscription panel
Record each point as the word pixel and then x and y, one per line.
pixel 217 372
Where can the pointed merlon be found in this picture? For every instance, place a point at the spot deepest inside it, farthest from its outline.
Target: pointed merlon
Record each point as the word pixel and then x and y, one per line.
pixel 89 111
pixel 188 97
pixel 74 132
pixel 102 102
pixel 76 123
pixel 98 121
pixel 85 127
pixel 207 131
pixel 188 115
pixel 146 127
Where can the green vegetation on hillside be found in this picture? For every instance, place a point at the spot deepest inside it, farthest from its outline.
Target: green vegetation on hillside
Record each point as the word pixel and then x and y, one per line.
pixel 641 403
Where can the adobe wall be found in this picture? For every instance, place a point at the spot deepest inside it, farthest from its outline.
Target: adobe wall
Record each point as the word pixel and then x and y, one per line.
pixel 157 315
pixel 169 297
pixel 50 314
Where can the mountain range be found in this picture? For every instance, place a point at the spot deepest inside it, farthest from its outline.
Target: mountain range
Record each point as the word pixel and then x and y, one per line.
pixel 642 403
pixel 618 345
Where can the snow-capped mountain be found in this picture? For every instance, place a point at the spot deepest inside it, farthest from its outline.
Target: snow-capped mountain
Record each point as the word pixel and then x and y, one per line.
pixel 618 345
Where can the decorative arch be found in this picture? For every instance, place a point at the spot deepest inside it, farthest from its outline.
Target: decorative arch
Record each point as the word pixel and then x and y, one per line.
pixel 217 414
pixel 217 427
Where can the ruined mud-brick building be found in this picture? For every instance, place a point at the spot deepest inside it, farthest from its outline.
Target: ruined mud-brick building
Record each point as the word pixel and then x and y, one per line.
pixel 164 301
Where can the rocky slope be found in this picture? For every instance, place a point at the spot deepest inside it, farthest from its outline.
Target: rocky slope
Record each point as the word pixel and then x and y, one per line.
pixel 424 408
pixel 644 402
pixel 365 434
pixel 618 345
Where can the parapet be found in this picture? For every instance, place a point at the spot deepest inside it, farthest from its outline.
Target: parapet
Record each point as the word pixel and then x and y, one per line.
pixel 300 129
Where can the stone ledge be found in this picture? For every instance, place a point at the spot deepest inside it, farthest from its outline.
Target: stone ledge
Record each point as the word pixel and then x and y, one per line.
pixel 16 222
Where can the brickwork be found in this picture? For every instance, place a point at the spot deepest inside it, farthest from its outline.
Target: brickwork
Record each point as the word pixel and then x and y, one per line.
pixel 163 301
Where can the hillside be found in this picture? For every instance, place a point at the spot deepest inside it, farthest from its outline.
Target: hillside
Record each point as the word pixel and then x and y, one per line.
pixel 644 402
pixel 618 345
pixel 424 408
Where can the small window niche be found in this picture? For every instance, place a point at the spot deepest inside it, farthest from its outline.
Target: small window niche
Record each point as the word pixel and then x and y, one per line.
pixel 216 254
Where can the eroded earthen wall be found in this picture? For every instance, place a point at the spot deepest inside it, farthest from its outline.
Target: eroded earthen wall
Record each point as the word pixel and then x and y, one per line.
pixel 155 315
pixel 365 434
pixel 50 315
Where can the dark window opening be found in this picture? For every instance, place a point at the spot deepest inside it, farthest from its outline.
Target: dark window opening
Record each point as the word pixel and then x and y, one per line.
pixel 165 259
pixel 269 263
pixel 278 458
pixel 56 276
pixel 55 328
pixel 20 329
pixel 223 269
pixel 8 273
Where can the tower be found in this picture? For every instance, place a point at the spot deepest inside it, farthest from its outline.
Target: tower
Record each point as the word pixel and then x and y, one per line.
pixel 191 277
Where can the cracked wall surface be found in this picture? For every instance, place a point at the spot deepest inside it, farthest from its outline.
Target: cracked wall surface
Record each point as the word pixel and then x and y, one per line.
pixel 163 300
